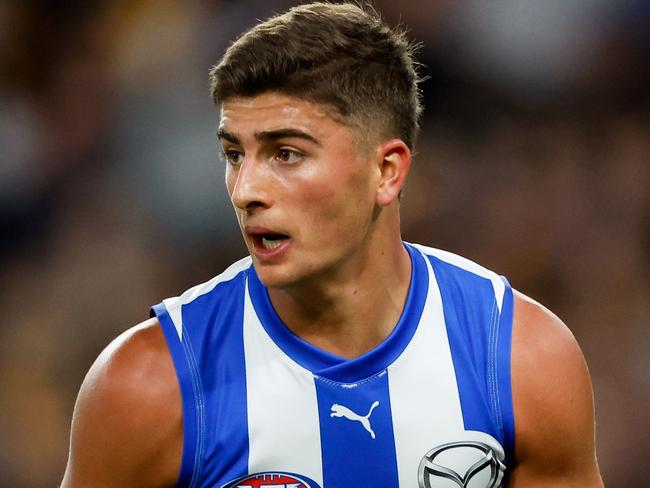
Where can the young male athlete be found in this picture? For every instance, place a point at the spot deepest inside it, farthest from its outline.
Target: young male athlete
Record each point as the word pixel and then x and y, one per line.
pixel 336 355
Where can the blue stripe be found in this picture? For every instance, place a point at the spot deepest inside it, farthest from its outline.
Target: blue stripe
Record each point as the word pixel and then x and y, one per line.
pixel 190 420
pixel 351 457
pixel 214 322
pixel 213 386
pixel 470 309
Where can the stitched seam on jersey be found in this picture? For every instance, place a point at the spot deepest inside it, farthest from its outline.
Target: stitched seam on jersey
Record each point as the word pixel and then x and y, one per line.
pixel 492 362
pixel 493 382
pixel 341 384
pixel 200 410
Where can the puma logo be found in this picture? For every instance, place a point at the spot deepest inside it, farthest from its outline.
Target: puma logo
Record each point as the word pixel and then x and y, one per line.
pixel 343 411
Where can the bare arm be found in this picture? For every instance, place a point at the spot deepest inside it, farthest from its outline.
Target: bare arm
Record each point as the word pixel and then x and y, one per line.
pixel 127 423
pixel 553 404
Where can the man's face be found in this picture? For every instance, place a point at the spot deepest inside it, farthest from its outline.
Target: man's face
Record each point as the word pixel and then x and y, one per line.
pixel 303 192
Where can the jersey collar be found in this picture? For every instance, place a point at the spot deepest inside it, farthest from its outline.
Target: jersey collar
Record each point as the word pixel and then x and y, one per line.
pixel 331 366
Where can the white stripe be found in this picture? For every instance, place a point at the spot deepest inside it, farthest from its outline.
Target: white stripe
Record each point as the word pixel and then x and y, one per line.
pixel 468 265
pixel 422 386
pixel 283 423
pixel 174 304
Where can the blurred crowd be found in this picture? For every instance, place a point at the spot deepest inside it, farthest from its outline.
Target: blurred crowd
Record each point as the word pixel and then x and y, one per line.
pixel 534 159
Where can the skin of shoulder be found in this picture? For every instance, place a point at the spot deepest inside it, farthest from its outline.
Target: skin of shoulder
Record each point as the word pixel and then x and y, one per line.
pixel 127 428
pixel 553 403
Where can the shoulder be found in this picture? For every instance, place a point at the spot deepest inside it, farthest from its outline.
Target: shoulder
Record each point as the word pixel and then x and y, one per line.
pixel 127 424
pixel 540 338
pixel 549 372
pixel 552 398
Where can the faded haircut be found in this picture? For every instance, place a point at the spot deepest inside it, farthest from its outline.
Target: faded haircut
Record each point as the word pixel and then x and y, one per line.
pixel 342 56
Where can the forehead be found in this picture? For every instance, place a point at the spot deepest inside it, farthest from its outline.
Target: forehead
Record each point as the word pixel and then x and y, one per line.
pixel 272 111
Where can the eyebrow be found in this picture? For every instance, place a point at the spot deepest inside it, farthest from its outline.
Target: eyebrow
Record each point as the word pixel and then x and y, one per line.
pixel 273 135
pixel 224 134
pixel 270 135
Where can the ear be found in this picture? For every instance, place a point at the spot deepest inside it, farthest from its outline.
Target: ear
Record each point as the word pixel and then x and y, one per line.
pixel 394 158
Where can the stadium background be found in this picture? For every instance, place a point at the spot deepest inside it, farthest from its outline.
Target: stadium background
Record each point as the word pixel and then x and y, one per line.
pixel 534 159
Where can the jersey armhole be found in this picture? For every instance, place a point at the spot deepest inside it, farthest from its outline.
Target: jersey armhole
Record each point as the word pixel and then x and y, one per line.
pixel 503 374
pixel 183 362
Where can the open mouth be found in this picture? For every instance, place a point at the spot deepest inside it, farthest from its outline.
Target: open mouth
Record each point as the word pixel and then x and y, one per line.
pixel 269 240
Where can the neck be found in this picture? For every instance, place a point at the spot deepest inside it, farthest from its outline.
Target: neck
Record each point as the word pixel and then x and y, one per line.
pixel 354 308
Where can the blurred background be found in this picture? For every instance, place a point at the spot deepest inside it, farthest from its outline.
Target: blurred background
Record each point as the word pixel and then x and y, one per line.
pixel 534 159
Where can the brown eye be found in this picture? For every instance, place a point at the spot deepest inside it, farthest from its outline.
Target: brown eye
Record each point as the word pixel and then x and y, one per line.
pixel 287 155
pixel 234 158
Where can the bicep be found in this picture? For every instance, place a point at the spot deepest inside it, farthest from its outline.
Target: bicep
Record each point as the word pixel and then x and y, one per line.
pixel 553 403
pixel 97 440
pixel 127 425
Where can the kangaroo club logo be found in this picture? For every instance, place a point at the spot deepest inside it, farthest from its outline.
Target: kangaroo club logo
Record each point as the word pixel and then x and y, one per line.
pixel 272 479
pixel 467 464
pixel 343 411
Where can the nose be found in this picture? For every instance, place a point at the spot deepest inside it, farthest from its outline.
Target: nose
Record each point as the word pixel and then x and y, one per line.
pixel 248 185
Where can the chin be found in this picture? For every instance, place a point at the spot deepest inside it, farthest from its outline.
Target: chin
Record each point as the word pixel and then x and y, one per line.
pixel 274 276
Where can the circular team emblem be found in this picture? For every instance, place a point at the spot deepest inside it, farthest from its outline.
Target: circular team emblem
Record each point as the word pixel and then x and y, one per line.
pixel 272 479
pixel 463 464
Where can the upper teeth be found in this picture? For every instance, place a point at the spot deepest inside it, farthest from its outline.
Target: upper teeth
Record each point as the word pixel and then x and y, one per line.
pixel 271 243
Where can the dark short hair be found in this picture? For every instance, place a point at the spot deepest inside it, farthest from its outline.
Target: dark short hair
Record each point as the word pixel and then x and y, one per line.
pixel 339 55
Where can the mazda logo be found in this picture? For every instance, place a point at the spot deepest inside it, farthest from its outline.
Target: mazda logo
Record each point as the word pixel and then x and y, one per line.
pixel 488 467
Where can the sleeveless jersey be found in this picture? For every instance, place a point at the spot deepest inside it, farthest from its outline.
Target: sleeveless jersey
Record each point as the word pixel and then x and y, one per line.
pixel 429 407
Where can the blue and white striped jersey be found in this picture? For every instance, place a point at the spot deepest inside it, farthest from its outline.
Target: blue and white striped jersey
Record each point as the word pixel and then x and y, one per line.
pixel 429 407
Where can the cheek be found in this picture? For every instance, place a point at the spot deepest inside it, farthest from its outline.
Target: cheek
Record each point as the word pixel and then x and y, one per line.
pixel 337 203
